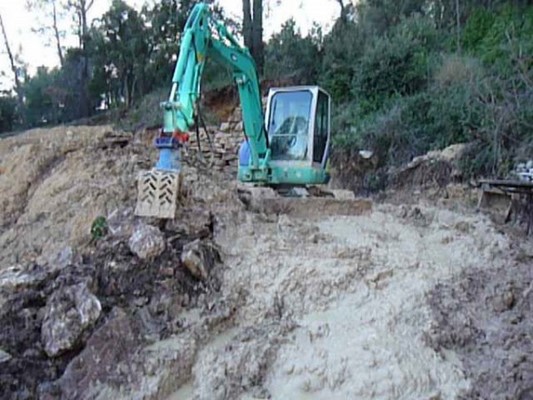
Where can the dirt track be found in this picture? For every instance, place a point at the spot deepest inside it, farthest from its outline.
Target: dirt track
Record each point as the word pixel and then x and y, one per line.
pixel 410 302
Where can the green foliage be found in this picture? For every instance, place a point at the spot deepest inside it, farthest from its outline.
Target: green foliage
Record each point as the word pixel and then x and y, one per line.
pixel 477 28
pixel 99 228
pixel 120 52
pixel 407 96
pixel 342 49
pixel 41 101
pixel 8 112
pixel 289 53
pixel 50 96
pixel 501 38
pixel 404 77
pixel 395 64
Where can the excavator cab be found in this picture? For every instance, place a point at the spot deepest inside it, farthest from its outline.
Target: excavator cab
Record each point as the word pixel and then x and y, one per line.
pixel 297 123
pixel 298 126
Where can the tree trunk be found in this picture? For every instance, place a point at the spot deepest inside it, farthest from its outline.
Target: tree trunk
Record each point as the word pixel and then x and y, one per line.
pixel 18 85
pixel 85 106
pixel 56 34
pixel 257 36
pixel 343 9
pixel 81 8
pixel 247 25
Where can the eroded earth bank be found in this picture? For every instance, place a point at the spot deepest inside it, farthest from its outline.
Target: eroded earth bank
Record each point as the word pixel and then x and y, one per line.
pixel 409 301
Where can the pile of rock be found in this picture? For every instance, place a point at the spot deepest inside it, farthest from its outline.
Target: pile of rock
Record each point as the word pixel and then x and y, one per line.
pixel 225 141
pixel 524 171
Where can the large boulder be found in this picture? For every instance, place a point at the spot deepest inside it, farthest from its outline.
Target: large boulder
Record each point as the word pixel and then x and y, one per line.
pixel 147 242
pixel 69 312
pixel 100 361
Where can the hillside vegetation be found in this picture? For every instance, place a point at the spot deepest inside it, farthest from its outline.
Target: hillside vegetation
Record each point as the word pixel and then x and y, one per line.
pixel 412 76
pixel 406 76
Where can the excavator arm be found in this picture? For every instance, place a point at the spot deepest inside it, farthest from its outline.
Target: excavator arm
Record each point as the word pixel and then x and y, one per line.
pixel 205 37
pixel 293 153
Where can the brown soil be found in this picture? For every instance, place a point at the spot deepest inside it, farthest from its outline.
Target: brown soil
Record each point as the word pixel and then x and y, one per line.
pixel 483 316
pixel 412 299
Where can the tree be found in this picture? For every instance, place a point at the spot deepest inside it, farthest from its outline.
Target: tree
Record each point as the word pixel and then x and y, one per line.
pixel 121 52
pixel 52 14
pixel 167 19
pixel 14 67
pixel 8 112
pixel 80 10
pixel 257 35
pixel 43 100
pixel 346 8
pixel 288 54
pixel 247 30
pixel 253 31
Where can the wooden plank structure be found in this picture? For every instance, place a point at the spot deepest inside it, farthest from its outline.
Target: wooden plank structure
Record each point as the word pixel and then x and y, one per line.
pixel 520 193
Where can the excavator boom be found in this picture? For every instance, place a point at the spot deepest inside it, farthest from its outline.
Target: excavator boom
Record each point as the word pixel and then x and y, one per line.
pixel 287 146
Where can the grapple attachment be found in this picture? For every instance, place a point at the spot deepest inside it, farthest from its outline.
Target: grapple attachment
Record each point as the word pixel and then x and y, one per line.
pixel 157 193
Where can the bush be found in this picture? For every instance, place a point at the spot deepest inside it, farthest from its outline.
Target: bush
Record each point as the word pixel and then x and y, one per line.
pixel 8 112
pixel 343 47
pixel 501 39
pixel 288 53
pixel 395 65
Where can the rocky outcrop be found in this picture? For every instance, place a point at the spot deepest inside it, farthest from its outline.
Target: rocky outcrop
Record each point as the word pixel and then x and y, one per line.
pixel 69 312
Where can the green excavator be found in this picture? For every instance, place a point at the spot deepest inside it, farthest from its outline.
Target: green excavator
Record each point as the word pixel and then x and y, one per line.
pixel 285 146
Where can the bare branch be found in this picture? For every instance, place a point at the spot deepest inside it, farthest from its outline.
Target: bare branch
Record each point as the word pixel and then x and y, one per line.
pixel 14 69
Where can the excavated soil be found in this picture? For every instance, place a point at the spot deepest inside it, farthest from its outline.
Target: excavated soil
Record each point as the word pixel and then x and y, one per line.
pixel 413 301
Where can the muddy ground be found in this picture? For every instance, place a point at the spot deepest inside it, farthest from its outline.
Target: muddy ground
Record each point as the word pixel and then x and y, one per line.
pixel 414 299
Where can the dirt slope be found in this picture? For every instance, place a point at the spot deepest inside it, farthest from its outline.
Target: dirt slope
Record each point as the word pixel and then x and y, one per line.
pixel 403 302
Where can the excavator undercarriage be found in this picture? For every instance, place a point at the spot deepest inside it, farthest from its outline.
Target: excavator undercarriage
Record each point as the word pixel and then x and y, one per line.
pixel 302 201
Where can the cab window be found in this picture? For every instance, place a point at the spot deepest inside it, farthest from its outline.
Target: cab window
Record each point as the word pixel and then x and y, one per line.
pixel 321 127
pixel 289 125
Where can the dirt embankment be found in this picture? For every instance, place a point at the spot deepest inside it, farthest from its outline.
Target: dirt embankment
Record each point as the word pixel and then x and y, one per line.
pixel 406 301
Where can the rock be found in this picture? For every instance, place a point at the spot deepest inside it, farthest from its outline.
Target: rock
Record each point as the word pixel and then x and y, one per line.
pixel 4 357
pixel 120 222
pixel 239 127
pixel 114 342
pixel 18 277
pixel 224 127
pixel 147 242
pixel 199 258
pixel 195 222
pixel 59 259
pixel 64 257
pixel 69 312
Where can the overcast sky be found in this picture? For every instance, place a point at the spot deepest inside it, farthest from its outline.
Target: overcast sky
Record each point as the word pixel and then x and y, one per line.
pixel 35 51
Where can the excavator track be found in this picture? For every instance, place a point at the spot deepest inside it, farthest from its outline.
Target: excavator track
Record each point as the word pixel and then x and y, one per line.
pixel 302 201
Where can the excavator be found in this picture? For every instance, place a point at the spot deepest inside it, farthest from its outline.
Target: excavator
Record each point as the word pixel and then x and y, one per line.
pixel 287 146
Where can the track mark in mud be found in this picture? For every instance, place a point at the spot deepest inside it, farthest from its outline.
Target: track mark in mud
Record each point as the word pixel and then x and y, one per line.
pixel 484 316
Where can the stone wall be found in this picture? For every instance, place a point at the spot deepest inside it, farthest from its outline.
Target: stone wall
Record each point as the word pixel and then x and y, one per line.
pixel 226 140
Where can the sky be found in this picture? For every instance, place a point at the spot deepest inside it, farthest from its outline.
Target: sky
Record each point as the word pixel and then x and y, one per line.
pixel 35 50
